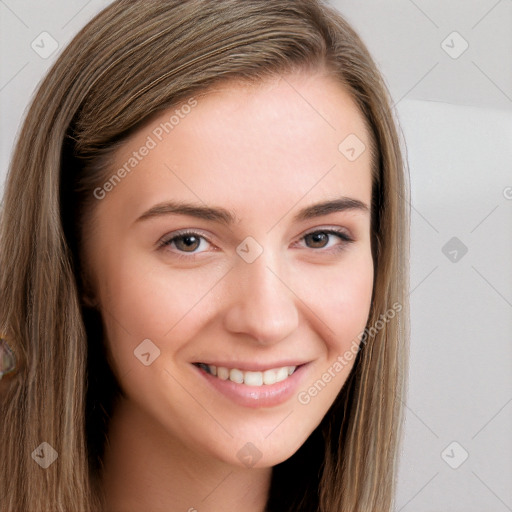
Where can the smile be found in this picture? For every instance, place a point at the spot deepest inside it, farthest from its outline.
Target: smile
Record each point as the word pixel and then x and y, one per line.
pixel 249 378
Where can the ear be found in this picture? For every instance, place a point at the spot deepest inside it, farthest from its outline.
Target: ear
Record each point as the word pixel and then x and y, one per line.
pixel 87 295
pixel 89 301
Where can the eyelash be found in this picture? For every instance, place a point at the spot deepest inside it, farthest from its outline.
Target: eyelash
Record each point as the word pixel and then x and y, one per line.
pixel 191 256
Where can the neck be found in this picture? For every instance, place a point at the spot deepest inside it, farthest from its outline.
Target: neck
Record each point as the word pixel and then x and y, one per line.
pixel 144 468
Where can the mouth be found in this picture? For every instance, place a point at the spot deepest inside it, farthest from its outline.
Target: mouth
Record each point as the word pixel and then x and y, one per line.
pixel 249 378
pixel 252 384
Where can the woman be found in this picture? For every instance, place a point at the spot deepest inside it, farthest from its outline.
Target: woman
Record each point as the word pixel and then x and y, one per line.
pixel 178 335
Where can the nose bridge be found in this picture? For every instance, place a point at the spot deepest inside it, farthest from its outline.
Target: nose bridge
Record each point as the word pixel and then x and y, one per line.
pixel 261 306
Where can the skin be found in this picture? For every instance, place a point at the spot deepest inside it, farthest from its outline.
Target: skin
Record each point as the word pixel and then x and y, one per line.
pixel 263 152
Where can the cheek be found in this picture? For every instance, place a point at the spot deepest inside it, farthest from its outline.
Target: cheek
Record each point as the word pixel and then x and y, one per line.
pixel 342 305
pixel 355 294
pixel 343 302
pixel 143 299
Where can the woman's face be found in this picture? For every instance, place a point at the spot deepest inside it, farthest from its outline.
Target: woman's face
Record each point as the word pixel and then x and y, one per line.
pixel 265 282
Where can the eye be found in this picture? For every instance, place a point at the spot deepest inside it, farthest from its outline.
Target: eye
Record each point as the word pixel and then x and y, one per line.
pixel 184 242
pixel 320 239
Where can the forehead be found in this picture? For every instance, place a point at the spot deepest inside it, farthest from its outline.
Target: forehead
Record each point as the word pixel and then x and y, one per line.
pixel 274 142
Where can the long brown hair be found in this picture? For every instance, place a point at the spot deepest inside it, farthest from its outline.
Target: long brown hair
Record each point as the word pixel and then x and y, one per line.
pixel 133 60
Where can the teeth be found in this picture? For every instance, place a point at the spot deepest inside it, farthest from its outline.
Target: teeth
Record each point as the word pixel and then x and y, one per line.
pixel 282 374
pixel 236 376
pixel 222 373
pixel 253 378
pixel 267 377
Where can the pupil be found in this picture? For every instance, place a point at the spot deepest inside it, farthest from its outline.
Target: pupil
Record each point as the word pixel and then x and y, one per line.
pixel 189 240
pixel 318 237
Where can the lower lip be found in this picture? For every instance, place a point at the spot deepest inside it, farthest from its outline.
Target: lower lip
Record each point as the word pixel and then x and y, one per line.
pixel 256 396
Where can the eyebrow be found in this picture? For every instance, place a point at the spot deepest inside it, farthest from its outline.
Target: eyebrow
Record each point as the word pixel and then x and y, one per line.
pixel 223 216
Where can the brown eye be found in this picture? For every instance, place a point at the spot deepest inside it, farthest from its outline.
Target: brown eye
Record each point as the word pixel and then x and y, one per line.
pixel 184 243
pixel 187 243
pixel 319 239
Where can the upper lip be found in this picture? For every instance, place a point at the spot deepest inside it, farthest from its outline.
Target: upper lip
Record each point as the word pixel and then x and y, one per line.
pixel 253 366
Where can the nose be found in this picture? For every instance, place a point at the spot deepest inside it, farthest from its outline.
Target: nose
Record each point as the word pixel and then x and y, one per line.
pixel 262 305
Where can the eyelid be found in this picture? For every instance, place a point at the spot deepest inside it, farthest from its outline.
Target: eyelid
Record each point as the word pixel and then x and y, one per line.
pixel 166 239
pixel 330 229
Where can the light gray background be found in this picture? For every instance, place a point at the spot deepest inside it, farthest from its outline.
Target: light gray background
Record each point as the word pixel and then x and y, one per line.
pixel 456 117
